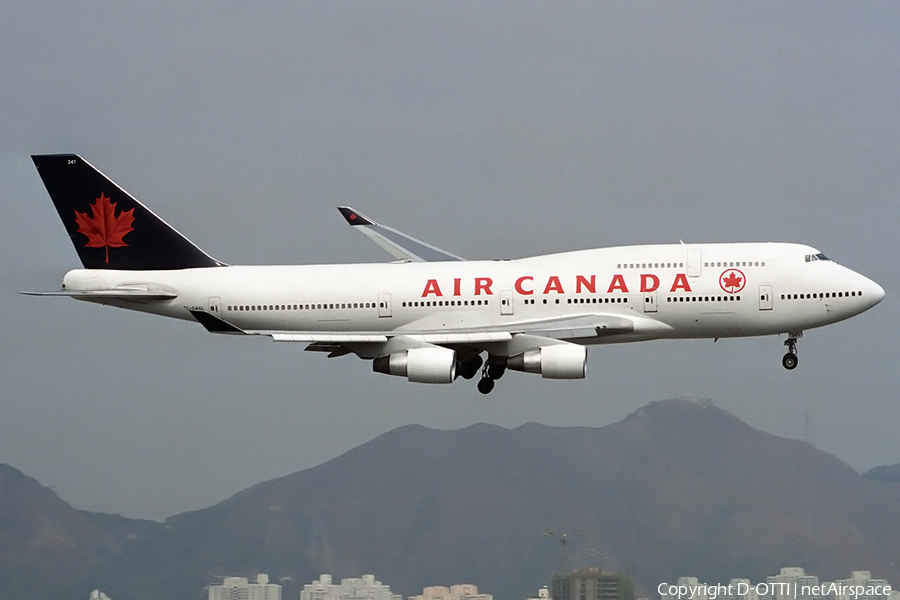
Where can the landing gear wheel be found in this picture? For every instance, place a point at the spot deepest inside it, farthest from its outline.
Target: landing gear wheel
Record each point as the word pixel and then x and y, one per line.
pixel 495 371
pixel 485 385
pixel 469 369
pixel 789 361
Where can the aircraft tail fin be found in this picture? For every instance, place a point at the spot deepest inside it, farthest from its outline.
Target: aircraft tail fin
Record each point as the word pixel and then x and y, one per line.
pixel 109 228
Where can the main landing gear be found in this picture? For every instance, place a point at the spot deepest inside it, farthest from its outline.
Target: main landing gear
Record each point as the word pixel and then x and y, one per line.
pixel 789 360
pixel 469 368
pixel 493 370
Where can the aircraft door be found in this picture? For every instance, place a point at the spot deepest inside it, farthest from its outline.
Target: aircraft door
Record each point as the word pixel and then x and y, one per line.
pixel 650 302
pixel 214 304
pixel 506 302
pixel 384 304
pixel 694 262
pixel 765 297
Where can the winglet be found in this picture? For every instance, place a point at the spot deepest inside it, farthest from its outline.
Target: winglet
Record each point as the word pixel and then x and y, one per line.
pixel 214 324
pixel 354 217
pixel 398 244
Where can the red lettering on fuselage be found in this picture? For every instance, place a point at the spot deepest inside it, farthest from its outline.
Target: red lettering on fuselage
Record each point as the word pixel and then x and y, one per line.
pixel 649 282
pixel 617 283
pixel 483 284
pixel 590 286
pixel 681 282
pixel 521 289
pixel 432 287
pixel 553 285
pixel 584 284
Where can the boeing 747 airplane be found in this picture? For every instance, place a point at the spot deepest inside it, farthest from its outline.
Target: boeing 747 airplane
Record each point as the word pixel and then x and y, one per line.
pixel 431 316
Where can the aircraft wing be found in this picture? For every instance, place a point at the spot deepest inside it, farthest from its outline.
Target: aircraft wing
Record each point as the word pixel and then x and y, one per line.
pixel 580 327
pixel 397 243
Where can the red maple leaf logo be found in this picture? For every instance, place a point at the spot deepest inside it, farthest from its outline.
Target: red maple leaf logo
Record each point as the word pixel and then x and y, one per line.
pixel 103 228
pixel 732 281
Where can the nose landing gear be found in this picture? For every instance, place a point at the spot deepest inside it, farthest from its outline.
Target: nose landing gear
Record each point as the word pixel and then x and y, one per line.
pixel 789 360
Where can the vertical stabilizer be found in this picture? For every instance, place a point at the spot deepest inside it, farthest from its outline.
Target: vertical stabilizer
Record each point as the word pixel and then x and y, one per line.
pixel 109 228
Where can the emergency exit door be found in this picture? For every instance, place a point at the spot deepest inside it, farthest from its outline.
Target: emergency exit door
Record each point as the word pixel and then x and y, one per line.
pixel 765 297
pixel 650 302
pixel 506 302
pixel 384 304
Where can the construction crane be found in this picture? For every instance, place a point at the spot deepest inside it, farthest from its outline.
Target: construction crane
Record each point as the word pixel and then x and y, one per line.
pixel 564 541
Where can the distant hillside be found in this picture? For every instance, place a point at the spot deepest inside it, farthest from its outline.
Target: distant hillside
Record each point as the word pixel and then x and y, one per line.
pixel 678 487
pixel 47 549
pixel 886 473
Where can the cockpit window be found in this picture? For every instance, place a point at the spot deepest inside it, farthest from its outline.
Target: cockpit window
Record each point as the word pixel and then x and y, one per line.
pixel 819 256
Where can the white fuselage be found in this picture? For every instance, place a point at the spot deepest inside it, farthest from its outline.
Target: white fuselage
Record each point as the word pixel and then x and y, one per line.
pixel 669 291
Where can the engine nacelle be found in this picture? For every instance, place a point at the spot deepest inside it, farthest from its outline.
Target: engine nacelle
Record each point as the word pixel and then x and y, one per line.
pixel 559 361
pixel 419 365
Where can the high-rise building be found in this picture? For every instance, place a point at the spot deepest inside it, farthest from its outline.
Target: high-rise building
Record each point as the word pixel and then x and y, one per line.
pixel 358 588
pixel 543 594
pixel 792 583
pixel 591 584
pixel 698 593
pixel 742 589
pixel 460 591
pixel 240 588
pixel 861 580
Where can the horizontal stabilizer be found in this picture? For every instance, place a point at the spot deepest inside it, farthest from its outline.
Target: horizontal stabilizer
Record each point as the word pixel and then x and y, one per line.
pixel 111 294
pixel 398 244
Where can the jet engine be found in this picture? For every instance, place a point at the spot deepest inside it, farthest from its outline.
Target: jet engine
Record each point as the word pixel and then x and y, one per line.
pixel 419 365
pixel 560 361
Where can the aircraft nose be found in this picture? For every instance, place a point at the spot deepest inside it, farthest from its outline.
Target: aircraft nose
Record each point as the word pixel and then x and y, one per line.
pixel 874 292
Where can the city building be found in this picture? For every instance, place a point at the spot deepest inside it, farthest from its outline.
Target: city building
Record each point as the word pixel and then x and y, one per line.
pixel 240 588
pixel 359 588
pixel 543 594
pixel 460 591
pixel 742 589
pixel 792 583
pixel 860 580
pixel 698 593
pixel 591 584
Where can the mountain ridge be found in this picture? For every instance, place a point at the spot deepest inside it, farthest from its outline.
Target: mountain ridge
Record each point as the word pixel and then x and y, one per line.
pixel 678 487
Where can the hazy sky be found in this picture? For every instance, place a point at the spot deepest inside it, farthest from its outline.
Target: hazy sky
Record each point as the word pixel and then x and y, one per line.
pixel 490 129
